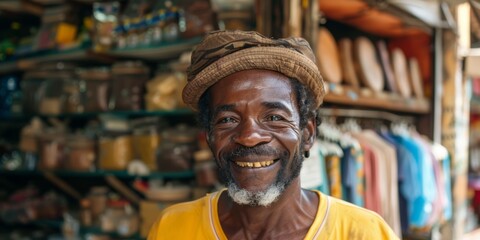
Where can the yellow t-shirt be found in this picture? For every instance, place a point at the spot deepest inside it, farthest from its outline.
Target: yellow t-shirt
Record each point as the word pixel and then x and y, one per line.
pixel 335 219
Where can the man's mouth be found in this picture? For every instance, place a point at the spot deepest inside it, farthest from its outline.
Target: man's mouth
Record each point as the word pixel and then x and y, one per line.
pixel 255 164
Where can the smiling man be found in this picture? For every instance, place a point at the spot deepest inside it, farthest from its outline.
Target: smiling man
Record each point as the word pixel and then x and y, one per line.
pixel 258 98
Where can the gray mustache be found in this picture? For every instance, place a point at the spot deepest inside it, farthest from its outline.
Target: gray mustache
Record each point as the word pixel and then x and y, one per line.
pixel 260 150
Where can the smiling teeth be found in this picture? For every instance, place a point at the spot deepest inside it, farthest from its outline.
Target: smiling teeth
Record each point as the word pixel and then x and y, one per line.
pixel 255 164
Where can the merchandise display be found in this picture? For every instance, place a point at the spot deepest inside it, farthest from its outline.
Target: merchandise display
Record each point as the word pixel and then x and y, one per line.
pixel 368 67
pixel 348 66
pixel 400 70
pixel 328 57
pixel 115 151
pixel 94 87
pixel 96 139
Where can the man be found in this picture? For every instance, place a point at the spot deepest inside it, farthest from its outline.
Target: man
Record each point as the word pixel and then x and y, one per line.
pixel 257 99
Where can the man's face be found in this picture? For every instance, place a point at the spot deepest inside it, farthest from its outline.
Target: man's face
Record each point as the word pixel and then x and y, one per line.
pixel 255 135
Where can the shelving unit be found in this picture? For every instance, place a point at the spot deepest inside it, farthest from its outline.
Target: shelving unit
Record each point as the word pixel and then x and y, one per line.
pixel 86 115
pixel 162 51
pixel 57 224
pixel 97 173
pixel 348 96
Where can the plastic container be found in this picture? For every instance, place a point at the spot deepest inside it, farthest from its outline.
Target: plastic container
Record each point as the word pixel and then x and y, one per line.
pixel 115 151
pixel 128 86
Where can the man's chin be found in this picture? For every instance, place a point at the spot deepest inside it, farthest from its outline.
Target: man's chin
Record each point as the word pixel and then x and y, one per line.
pixel 263 198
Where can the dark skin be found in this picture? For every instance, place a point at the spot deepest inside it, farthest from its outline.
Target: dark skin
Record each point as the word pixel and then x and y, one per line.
pixel 252 108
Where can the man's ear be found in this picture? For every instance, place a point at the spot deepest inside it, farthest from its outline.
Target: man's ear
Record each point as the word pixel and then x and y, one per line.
pixel 309 133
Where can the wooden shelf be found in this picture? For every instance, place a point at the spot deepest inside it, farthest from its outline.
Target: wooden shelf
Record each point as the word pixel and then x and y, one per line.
pixel 162 51
pixel 98 173
pixel 86 115
pixel 348 96
pixel 159 52
pixel 8 67
pixel 21 6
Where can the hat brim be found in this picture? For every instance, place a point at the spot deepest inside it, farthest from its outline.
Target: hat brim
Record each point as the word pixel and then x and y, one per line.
pixel 283 60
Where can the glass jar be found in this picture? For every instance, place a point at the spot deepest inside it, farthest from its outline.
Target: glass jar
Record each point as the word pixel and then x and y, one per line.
pixel 205 168
pixel 30 84
pixel 50 93
pixel 105 15
pixel 164 91
pixel 51 150
pixel 80 153
pixel 9 86
pixel 176 149
pixel 128 86
pixel 98 198
pixel 171 31
pixel 129 223
pixel 115 151
pixel 113 213
pixel 95 85
pixel 86 213
pixel 71 96
pixel 146 140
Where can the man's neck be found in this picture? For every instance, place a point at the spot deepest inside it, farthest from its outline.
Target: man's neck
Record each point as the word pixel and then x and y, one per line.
pixel 289 217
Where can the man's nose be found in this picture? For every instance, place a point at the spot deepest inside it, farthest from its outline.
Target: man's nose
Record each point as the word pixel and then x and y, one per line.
pixel 250 133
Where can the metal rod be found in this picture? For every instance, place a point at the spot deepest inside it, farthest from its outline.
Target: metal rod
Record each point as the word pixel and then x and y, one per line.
pixel 62 185
pixel 122 189
pixel 372 114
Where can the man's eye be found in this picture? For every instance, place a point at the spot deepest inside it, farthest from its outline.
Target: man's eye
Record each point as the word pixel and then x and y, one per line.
pixel 275 118
pixel 227 120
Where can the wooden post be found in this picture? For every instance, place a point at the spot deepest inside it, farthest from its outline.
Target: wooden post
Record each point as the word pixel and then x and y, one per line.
pixel 455 121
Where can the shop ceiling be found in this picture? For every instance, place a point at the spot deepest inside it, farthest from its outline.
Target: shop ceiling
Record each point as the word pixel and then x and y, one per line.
pixel 392 18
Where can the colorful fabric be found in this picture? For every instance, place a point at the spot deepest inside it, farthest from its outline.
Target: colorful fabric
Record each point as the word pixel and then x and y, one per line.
pixel 334 175
pixel 353 175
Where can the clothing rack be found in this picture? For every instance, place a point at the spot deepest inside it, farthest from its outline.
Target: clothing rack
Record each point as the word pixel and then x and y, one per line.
pixel 369 114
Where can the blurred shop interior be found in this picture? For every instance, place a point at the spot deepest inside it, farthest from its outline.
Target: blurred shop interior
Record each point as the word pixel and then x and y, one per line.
pixel 95 140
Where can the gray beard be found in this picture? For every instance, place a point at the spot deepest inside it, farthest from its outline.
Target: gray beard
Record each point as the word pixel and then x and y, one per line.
pixel 272 193
pixel 262 198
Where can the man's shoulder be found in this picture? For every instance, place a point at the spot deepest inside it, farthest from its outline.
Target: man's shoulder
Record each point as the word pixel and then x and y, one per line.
pixel 188 216
pixel 186 208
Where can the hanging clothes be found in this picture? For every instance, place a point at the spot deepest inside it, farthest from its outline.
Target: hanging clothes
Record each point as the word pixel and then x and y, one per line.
pixel 313 174
pixel 387 172
pixel 372 180
pixel 405 169
pixel 353 174
pixel 420 189
pixel 333 153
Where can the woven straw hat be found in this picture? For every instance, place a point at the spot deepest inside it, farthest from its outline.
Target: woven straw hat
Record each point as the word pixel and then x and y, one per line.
pixel 222 53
